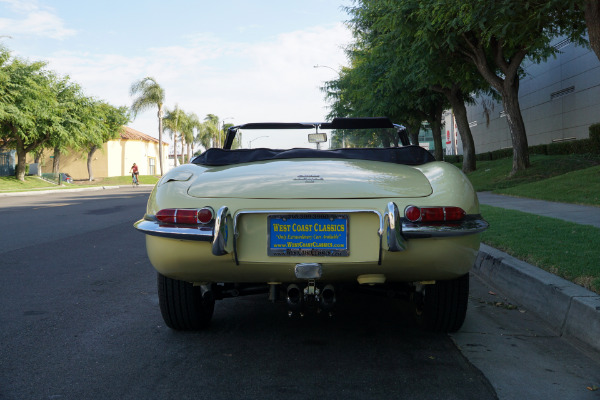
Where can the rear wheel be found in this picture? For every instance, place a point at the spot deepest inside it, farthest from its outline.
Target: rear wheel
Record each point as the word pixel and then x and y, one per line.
pixel 183 306
pixel 442 307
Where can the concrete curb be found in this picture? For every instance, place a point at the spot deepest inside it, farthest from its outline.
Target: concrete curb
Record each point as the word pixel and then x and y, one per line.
pixel 570 309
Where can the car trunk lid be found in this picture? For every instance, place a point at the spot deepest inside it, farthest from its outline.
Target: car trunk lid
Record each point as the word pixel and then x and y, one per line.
pixel 311 179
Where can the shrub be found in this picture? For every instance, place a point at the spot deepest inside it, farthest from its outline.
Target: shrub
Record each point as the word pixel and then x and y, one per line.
pixel 502 153
pixel 539 149
pixel 595 138
pixel 581 146
pixel 453 159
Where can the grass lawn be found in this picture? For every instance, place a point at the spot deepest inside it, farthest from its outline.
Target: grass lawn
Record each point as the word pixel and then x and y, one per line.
pixel 120 181
pixel 494 175
pixel 12 184
pixel 578 187
pixel 563 248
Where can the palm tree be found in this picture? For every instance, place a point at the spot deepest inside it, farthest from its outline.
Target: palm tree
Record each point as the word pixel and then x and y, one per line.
pixel 192 123
pixel 204 135
pixel 212 125
pixel 175 120
pixel 150 94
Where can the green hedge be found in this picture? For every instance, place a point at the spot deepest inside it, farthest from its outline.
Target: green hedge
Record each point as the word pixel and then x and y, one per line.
pixel 581 146
pixel 595 138
pixel 453 159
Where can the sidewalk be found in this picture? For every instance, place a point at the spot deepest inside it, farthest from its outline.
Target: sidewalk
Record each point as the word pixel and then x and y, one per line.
pixel 585 215
pixel 569 309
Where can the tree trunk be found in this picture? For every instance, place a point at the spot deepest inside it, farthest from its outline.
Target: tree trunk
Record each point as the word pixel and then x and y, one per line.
pixel 435 121
pixel 56 161
pixel 37 160
pixel 22 151
pixel 457 102
pixel 89 162
pixel 518 134
pixel 21 162
pixel 175 149
pixel 160 142
pixel 592 20
pixel 508 86
pixel 413 128
pixel 182 150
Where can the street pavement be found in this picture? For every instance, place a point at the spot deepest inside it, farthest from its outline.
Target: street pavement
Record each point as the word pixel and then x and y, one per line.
pixel 571 310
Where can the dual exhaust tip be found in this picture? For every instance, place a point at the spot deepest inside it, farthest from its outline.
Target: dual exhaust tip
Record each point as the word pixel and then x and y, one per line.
pixel 297 297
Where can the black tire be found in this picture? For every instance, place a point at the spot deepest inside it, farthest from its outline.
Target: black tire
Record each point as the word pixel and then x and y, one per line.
pixel 443 306
pixel 182 305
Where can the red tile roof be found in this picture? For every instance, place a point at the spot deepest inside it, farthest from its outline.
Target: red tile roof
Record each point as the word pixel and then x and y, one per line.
pixel 131 134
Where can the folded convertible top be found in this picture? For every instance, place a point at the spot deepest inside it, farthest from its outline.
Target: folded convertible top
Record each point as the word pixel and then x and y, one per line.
pixel 408 155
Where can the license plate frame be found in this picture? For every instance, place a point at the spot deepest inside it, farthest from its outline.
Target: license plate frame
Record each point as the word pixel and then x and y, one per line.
pixel 317 235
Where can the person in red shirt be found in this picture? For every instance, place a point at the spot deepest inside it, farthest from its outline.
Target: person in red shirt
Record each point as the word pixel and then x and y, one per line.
pixel 134 173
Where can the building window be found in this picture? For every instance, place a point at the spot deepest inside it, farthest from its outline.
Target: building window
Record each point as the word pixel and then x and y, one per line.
pixel 151 166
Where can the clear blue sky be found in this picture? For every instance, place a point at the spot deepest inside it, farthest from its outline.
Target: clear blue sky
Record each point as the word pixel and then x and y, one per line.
pixel 245 61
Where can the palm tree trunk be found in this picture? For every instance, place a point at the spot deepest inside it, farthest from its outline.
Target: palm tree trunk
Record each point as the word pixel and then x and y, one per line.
pixel 175 149
pixel 160 146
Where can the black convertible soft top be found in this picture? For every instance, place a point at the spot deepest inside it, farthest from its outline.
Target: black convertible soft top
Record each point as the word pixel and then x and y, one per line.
pixel 408 155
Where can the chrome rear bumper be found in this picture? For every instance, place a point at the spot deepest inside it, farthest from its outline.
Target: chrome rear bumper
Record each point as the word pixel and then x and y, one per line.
pixel 397 230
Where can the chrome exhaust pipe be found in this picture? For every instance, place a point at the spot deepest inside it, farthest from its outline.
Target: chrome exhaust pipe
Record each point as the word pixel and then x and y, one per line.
pixel 294 297
pixel 328 298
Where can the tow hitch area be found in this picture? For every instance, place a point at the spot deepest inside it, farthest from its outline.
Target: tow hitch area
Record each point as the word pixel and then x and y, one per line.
pixel 310 297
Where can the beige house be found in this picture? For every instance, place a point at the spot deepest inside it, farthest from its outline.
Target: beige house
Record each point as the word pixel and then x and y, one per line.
pixel 115 158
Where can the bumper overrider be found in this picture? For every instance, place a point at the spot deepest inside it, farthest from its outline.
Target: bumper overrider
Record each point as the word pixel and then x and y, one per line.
pixel 394 230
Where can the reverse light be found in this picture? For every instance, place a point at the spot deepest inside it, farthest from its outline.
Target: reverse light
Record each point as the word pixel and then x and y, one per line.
pixel 188 216
pixel 434 214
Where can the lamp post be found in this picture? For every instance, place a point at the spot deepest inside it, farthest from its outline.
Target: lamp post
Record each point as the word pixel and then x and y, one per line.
pixel 250 142
pixel 326 66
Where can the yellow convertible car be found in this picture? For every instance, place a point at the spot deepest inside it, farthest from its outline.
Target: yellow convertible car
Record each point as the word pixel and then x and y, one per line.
pixel 306 225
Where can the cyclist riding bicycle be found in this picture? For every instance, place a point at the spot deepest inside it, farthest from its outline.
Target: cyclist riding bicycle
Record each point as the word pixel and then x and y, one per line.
pixel 134 174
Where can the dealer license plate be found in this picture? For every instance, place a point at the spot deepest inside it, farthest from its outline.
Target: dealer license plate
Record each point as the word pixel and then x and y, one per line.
pixel 321 235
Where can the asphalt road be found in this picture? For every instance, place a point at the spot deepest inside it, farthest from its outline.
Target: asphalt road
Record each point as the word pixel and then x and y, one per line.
pixel 79 319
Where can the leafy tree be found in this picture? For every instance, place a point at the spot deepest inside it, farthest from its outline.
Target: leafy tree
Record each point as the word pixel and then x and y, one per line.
pixel 150 94
pixel 70 109
pixel 381 81
pixel 495 37
pixel 104 122
pixel 576 16
pixel 27 104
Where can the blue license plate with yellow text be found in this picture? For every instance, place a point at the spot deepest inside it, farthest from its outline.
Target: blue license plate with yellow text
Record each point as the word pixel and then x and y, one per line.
pixel 320 235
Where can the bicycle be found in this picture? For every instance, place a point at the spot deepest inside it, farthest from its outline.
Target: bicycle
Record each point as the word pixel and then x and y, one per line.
pixel 134 180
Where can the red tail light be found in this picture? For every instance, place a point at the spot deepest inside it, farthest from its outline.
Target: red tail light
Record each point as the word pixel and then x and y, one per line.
pixel 433 214
pixel 189 216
